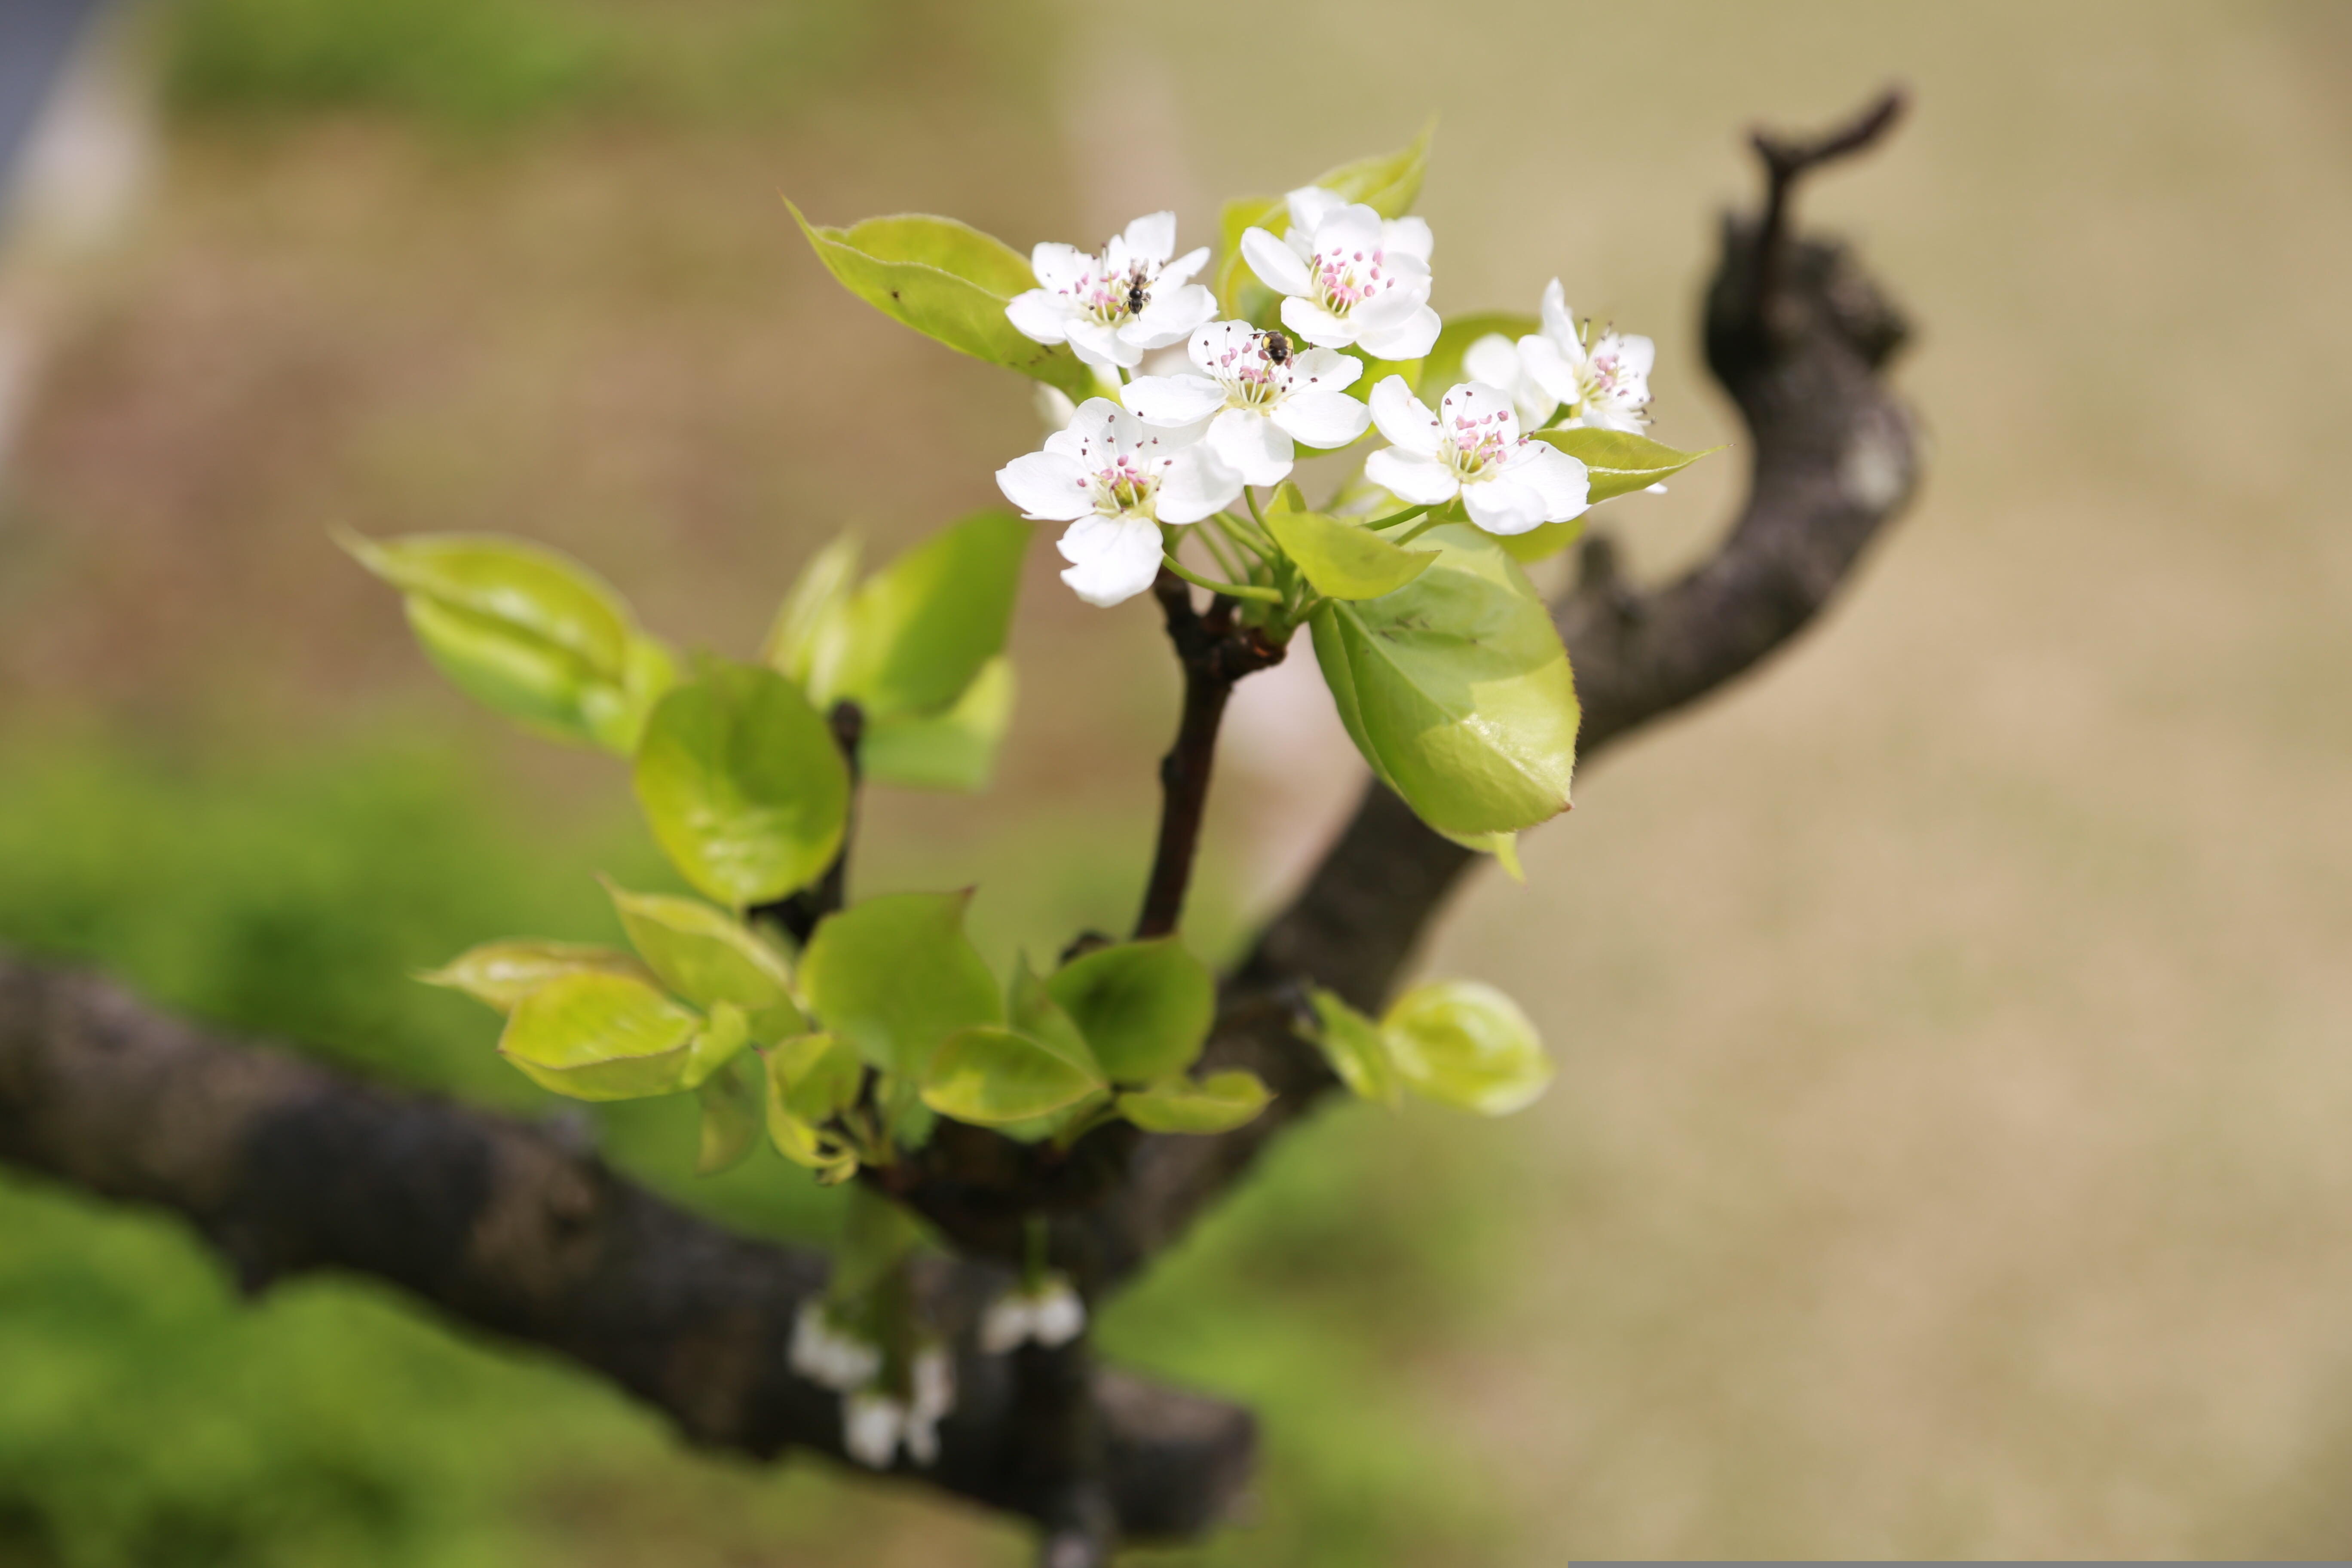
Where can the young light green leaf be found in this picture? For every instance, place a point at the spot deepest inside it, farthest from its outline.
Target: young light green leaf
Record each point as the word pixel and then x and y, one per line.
pixel 1441 369
pixel 991 1075
pixel 501 974
pixel 1457 690
pixel 731 1122
pixel 948 281
pixel 1542 541
pixel 1030 1009
pixel 1351 1043
pixel 952 751
pixel 1388 182
pixel 1619 462
pixel 917 631
pixel 706 956
pixel 1344 560
pixel 895 975
pixel 718 1042
pixel 798 1140
pixel 743 784
pixel 805 641
pixel 526 631
pixel 1144 1007
pixel 601 1037
pixel 819 1076
pixel 1218 1103
pixel 1466 1045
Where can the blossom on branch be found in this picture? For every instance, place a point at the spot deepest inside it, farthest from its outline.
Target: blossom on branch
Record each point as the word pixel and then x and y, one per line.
pixel 1259 395
pixel 1471 447
pixel 1115 479
pixel 1602 383
pixel 1352 279
pixel 1136 295
pixel 1051 1315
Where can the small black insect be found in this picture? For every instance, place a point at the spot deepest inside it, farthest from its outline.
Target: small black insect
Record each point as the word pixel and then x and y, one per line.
pixel 1276 346
pixel 1134 297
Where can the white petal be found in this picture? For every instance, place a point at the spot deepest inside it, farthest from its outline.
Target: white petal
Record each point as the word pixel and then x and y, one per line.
pixel 1324 369
pixel 1059 267
pixel 1403 418
pixel 1059 1316
pixel 1559 324
pixel 1112 559
pixel 1492 360
pixel 1039 316
pixel 1412 478
pixel 1098 344
pixel 1007 1325
pixel 1322 419
pixel 1212 341
pixel 1316 324
pixel 1548 368
pixel 1170 316
pixel 1560 480
pixel 1610 416
pixel 1195 485
pixel 1151 237
pixel 1311 204
pixel 1252 446
pixel 1173 399
pixel 1639 355
pixel 1504 504
pixel 1277 266
pixel 1053 406
pixel 1475 409
pixel 1180 269
pixel 870 1427
pixel 1408 339
pixel 1046 486
pixel 1406 236
pixel 1349 230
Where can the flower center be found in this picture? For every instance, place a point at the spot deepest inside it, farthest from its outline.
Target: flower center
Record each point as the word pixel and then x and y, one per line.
pixel 1112 297
pixel 1471 447
pixel 1345 280
pixel 1250 376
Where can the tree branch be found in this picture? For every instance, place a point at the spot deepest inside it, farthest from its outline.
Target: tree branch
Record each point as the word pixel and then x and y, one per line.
pixel 287 1167
pixel 800 912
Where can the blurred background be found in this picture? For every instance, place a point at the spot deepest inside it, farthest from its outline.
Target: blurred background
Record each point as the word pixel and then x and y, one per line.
pixel 1949 1153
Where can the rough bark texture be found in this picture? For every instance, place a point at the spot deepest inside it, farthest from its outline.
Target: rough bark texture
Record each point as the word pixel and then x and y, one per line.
pixel 285 1166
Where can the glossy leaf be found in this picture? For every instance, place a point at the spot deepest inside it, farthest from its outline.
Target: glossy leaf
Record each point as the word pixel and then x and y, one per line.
pixel 806 642
pixel 1351 1043
pixel 1389 183
pixel 918 632
pixel 1344 560
pixel 948 281
pixel 819 1076
pixel 601 1037
pixel 1618 462
pixel 991 1076
pixel 1441 369
pixel 1144 1007
pixel 895 975
pixel 1457 690
pixel 501 974
pixel 797 1139
pixel 722 1038
pixel 1543 542
pixel 526 631
pixel 730 1123
pixel 952 751
pixel 1031 1010
pixel 743 784
pixel 1466 1045
pixel 708 956
pixel 1218 1103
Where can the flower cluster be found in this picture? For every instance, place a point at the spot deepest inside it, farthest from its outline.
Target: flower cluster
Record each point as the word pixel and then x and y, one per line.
pixel 1180 447
pixel 876 1422
pixel 1049 1315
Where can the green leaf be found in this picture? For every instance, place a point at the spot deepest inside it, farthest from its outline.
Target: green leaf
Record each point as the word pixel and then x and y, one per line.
pixel 918 632
pixel 709 956
pixel 1542 541
pixel 1343 560
pixel 1031 1010
pixel 1388 182
pixel 805 641
pixel 1466 1045
pixel 502 974
pixel 1218 1103
pixel 1618 462
pixel 948 281
pixel 797 1139
pixel 895 975
pixel 718 1042
pixel 601 1037
pixel 819 1076
pixel 1441 371
pixel 1351 1043
pixel 991 1076
pixel 955 750
pixel 1457 690
pixel 743 784
pixel 730 1123
pixel 526 631
pixel 1145 1007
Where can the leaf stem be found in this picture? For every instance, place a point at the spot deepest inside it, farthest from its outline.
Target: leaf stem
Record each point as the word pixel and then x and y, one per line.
pixel 1229 590
pixel 1407 515
pixel 1213 542
pixel 1250 496
pixel 1243 534
pixel 800 912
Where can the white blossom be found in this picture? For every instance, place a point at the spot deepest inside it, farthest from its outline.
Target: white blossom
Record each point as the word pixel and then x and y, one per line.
pixel 1471 447
pixel 871 1424
pixel 1261 397
pixel 875 1424
pixel 1114 480
pixel 1051 1315
pixel 1351 278
pixel 1596 382
pixel 1136 295
pixel 828 1354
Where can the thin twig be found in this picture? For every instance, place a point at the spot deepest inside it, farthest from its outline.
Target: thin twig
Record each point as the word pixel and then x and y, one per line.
pixel 800 912
pixel 1785 160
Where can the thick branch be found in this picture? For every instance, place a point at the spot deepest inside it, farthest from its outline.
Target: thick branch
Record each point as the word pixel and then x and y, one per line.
pixel 1798 336
pixel 287 1167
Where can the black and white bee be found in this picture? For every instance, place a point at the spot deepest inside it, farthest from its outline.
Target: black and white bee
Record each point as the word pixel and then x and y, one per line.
pixel 1276 346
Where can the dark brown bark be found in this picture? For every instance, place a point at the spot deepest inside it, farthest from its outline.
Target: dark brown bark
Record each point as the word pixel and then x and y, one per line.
pixel 286 1167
